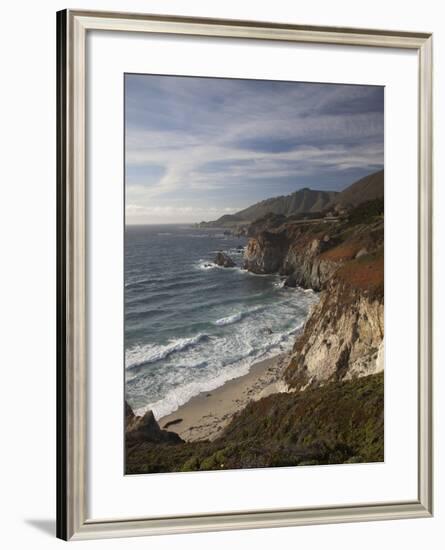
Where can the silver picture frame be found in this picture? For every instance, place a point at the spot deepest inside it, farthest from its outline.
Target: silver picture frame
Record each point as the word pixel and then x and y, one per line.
pixel 72 520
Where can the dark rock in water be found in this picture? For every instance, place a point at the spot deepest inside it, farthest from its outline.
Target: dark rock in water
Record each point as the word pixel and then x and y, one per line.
pixel 146 429
pixel 223 260
pixel 290 281
pixel 240 247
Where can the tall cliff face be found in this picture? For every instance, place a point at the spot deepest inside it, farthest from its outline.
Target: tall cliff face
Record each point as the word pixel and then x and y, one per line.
pixel 293 250
pixel 310 253
pixel 343 337
pixel 265 253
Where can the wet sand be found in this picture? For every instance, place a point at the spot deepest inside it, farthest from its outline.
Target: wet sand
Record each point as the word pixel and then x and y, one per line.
pixel 207 414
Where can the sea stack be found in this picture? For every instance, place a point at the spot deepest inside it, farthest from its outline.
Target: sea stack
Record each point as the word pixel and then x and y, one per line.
pixel 223 260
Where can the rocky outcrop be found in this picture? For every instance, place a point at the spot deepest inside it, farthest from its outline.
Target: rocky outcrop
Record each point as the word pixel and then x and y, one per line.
pixel 146 429
pixel 342 339
pixel 294 252
pixel 343 336
pixel 223 260
pixel 266 252
pixel 304 265
pixel 309 255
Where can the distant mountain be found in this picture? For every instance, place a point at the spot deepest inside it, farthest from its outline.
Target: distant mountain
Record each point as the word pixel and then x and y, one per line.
pixel 366 189
pixel 306 201
pixel 302 201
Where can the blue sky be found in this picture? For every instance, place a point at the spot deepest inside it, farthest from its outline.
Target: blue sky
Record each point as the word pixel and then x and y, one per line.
pixel 198 148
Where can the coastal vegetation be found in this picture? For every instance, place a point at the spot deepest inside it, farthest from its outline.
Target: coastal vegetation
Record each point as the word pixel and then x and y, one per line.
pixel 331 424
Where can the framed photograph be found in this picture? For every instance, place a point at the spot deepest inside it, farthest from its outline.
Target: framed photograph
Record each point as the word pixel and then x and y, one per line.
pixel 244 274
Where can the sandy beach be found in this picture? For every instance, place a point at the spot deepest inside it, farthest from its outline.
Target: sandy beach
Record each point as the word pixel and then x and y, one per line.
pixel 207 414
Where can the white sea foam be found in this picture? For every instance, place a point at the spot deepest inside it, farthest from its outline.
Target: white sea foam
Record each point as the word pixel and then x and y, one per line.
pixel 140 355
pixel 230 319
pixel 213 375
pixel 296 329
pixel 308 290
pixel 235 317
pixel 179 395
pixel 206 265
pixel 182 368
pixel 251 273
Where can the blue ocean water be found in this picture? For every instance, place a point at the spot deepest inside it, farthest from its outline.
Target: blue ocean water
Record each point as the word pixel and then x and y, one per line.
pixel 189 325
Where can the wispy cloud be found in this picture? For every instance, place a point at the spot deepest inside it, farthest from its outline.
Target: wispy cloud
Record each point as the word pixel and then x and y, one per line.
pixel 197 148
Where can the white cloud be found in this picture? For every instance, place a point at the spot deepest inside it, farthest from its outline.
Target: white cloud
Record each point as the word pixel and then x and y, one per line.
pixel 186 126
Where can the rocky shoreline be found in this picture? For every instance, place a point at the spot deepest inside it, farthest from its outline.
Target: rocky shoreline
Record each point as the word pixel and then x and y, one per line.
pixel 341 347
pixel 206 415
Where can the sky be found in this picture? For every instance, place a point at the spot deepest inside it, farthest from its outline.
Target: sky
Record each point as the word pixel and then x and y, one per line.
pixel 198 148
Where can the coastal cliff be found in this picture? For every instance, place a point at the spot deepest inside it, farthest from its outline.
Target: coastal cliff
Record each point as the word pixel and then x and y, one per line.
pixel 343 336
pixel 342 339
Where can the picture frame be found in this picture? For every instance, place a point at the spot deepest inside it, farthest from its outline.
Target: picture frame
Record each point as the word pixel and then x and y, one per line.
pixel 73 522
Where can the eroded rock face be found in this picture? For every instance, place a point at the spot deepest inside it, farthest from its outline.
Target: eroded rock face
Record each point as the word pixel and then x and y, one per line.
pixel 292 253
pixel 311 254
pixel 223 260
pixel 266 252
pixel 308 269
pixel 342 339
pixel 145 428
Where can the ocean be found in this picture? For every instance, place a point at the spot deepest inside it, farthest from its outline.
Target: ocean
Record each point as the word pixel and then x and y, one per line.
pixel 190 325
